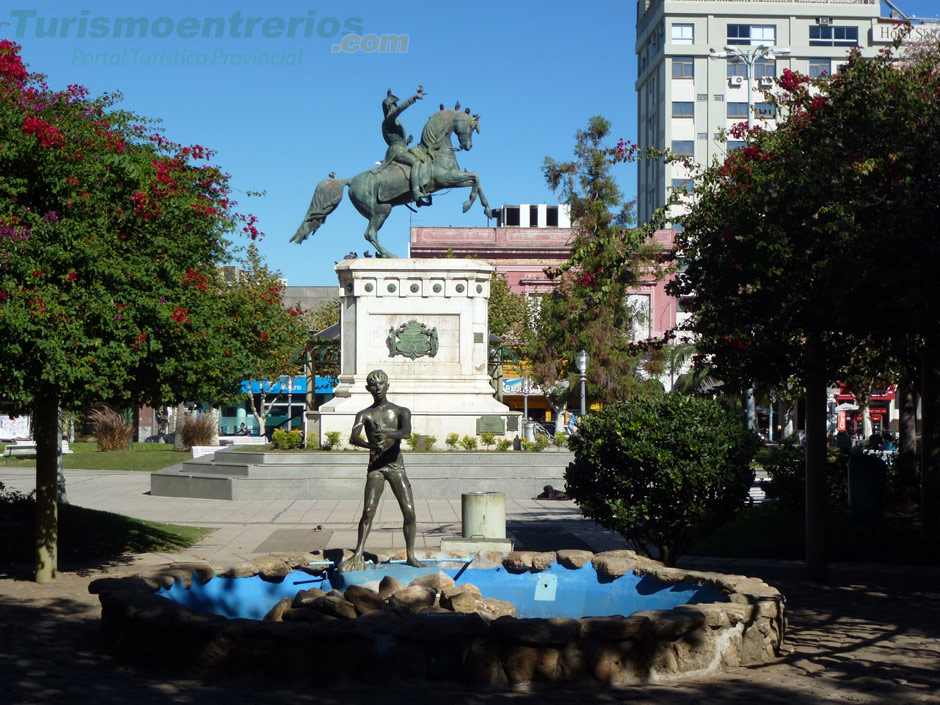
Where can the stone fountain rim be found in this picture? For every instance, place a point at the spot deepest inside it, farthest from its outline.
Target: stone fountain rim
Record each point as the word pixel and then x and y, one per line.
pixel 752 606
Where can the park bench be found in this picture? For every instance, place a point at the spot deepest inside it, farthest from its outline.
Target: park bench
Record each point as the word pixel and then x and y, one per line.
pixel 21 449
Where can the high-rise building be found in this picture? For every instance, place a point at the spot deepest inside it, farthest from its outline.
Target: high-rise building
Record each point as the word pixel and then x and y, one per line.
pixel 702 66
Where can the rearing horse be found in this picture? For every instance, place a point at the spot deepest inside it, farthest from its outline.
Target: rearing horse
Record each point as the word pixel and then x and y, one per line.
pixel 375 192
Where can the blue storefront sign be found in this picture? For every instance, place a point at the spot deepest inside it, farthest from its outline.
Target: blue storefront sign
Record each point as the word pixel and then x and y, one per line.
pixel 287 385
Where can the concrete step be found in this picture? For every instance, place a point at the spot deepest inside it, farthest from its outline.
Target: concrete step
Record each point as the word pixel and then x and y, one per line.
pixel 342 475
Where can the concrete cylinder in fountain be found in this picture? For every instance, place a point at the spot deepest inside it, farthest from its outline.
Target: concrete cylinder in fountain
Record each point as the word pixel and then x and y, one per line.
pixel 483 515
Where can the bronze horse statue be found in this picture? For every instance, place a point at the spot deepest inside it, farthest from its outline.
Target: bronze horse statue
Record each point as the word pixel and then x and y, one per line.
pixel 375 192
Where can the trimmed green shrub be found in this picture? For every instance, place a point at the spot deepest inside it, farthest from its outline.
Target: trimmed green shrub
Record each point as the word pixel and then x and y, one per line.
pixel 541 443
pixel 286 440
pixel 661 470
pixel 452 440
pixel 561 439
pixel 503 444
pixel 332 440
pixel 488 439
pixel 429 442
pixel 468 443
pixel 413 440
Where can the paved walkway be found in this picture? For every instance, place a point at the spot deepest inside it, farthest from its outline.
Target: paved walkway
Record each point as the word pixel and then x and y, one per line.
pixel 243 526
pixel 870 635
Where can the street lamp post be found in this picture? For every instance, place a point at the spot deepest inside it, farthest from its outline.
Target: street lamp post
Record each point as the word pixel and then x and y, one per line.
pixel 749 59
pixel 525 399
pixel 582 362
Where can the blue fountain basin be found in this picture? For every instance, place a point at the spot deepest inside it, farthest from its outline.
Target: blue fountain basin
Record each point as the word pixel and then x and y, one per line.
pixel 556 592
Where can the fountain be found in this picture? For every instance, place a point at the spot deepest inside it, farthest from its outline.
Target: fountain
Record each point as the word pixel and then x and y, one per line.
pixel 491 620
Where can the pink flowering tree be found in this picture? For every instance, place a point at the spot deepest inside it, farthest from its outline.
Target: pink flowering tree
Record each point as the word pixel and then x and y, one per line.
pixel 110 242
pixel 809 251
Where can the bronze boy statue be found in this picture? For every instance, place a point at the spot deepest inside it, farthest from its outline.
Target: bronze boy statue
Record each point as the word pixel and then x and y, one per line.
pixel 386 424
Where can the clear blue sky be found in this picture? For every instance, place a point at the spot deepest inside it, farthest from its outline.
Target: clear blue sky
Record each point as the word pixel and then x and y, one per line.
pixel 535 71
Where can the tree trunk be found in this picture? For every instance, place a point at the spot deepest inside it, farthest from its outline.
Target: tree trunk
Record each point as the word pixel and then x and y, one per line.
pixel 865 413
pixel 789 425
pixel 48 452
pixel 930 445
pixel 815 460
pixel 216 415
pixel 179 420
pixel 750 407
pixel 907 436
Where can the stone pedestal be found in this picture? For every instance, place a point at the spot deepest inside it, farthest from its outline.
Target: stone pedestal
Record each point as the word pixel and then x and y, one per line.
pixel 423 321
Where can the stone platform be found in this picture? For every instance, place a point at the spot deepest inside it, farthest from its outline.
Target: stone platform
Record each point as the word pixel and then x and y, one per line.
pixel 241 475
pixel 424 322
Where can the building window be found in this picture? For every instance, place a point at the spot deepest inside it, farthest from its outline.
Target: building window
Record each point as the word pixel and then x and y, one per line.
pixel 736 67
pixel 683 186
pixel 511 216
pixel 752 34
pixel 765 110
pixel 765 68
pixel 820 68
pixel 551 217
pixel 683 147
pixel 683 34
pixel 827 35
pixel 683 109
pixel 736 144
pixel 737 110
pixel 683 67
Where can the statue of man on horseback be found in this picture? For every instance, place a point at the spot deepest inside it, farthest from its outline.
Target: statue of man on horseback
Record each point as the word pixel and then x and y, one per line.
pixel 429 166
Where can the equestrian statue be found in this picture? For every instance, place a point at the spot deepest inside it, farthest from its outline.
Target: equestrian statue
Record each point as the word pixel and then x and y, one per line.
pixel 406 175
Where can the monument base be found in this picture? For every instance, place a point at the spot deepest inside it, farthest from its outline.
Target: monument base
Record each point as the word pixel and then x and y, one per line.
pixel 424 322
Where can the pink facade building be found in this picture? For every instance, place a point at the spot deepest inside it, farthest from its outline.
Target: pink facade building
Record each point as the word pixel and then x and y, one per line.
pixel 522 253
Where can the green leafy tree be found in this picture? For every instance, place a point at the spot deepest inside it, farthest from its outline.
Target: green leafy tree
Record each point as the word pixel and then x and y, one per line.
pixel 326 314
pixel 110 241
pixel 273 348
pixel 588 308
pixel 661 470
pixel 785 228
pixel 507 311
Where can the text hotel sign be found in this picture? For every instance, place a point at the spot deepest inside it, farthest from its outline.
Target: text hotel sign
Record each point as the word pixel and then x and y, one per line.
pixel 885 31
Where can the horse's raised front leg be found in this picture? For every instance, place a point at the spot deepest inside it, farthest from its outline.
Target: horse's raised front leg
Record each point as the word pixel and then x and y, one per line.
pixel 487 211
pixel 474 183
pixel 477 191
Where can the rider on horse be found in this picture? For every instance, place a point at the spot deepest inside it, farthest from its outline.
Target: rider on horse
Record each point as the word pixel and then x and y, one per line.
pixel 394 135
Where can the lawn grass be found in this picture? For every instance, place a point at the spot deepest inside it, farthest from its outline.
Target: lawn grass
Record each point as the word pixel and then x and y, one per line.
pixel 145 457
pixel 770 531
pixel 88 534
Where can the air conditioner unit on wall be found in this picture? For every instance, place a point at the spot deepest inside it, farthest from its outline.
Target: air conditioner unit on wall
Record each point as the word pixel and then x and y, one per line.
pixel 737 80
pixel 766 82
pixel 823 20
